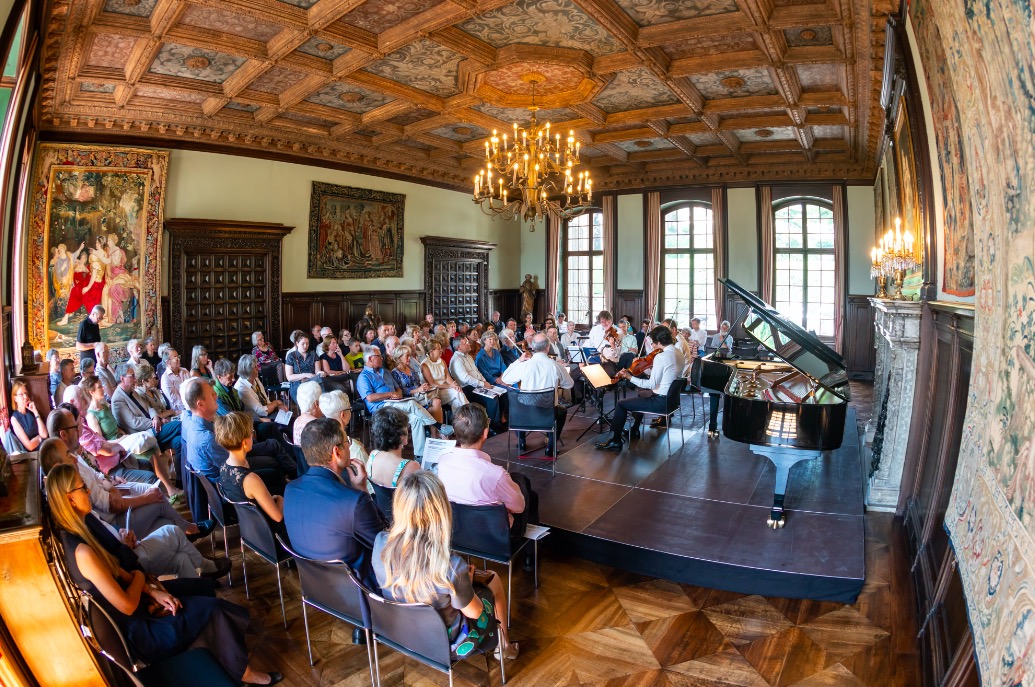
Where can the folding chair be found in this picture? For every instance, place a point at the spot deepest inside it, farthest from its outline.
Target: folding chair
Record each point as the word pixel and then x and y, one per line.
pixel 533 411
pixel 257 536
pixel 672 406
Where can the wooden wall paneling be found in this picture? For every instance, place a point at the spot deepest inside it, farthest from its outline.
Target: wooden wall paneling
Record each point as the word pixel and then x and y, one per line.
pixel 225 281
pixel 859 351
pixel 630 302
pixel 456 278
pixel 507 301
pixel 732 308
pixel 339 310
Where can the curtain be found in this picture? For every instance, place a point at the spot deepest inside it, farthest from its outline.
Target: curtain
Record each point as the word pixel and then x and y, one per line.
pixel 765 209
pixel 553 264
pixel 610 222
pixel 652 250
pixel 840 271
pixel 719 250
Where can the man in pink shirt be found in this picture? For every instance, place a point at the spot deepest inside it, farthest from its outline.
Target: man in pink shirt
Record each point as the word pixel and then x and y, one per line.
pixel 471 478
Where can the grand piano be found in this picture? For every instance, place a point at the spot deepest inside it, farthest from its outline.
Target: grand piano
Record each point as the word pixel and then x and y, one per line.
pixel 785 393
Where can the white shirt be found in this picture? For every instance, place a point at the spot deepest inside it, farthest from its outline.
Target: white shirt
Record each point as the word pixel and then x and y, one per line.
pixel 685 349
pixel 464 371
pixel 250 398
pixel 701 337
pixel 667 367
pixel 537 373
pixel 720 340
pixel 596 335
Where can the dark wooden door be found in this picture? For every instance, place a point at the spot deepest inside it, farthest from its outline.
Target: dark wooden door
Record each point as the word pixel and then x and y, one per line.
pixel 456 278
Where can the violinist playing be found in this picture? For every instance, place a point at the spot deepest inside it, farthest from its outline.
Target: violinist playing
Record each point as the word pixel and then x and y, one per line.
pixel 610 349
pixel 667 367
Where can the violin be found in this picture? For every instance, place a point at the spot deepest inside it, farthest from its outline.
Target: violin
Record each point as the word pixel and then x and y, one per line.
pixel 640 365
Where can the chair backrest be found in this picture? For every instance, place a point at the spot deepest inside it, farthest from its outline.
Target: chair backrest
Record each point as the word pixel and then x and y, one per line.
pixel 332 587
pixel 532 410
pixel 694 384
pixel 672 397
pixel 416 630
pixel 383 498
pixel 482 531
pixel 101 631
pixel 217 503
pixel 301 464
pixel 255 530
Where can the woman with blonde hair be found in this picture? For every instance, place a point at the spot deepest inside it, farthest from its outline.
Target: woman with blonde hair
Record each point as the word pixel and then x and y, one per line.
pixel 413 564
pixel 155 623
pixel 233 432
pixel 436 373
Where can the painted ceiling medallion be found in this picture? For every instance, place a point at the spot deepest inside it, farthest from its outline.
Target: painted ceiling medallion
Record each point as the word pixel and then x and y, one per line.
pixel 351 97
pixel 197 62
pixel 324 47
pixel 463 131
pixel 764 133
pixel 643 144
pixel 733 82
pixel 130 3
pixel 807 35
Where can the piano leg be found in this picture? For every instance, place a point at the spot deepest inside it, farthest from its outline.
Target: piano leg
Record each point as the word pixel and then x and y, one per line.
pixel 713 415
pixel 783 459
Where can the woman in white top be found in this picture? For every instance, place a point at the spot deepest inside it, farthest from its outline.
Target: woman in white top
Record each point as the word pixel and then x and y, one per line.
pixel 253 394
pixel 436 373
pixel 627 336
pixel 173 377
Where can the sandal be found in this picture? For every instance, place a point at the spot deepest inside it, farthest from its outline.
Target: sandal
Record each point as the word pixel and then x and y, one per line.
pixel 176 499
pixel 510 653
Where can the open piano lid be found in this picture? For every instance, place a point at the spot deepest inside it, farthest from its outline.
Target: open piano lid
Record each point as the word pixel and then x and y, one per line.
pixel 789 342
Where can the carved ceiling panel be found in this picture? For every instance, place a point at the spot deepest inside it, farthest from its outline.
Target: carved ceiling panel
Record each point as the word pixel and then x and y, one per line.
pixel 658 92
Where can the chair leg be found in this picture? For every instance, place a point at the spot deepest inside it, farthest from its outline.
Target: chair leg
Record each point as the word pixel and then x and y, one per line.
pixel 377 662
pixel 308 643
pixel 280 592
pixel 682 431
pixel 535 562
pixel 510 574
pixel 668 433
pixel 508 450
pixel 450 676
pixel 244 567
pixel 553 463
pixel 226 550
pixel 503 671
pixel 371 663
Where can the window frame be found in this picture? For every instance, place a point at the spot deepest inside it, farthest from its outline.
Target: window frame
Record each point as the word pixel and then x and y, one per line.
pixel 805 251
pixel 709 316
pixel 564 272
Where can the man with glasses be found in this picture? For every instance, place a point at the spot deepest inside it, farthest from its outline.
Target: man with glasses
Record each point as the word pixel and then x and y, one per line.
pixel 377 387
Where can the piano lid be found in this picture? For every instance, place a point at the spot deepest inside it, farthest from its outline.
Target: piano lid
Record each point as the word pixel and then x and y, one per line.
pixel 791 343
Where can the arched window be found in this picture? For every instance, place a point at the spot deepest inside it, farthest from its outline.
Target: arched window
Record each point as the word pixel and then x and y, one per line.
pixel 582 265
pixel 687 263
pixel 804 271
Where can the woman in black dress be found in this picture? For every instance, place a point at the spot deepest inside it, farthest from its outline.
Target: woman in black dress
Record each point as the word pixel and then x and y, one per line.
pixel 26 423
pixel 136 605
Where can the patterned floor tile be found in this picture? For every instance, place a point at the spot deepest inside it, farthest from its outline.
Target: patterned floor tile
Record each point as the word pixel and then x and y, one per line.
pixel 723 669
pixel 654 600
pixel 843 633
pixel 834 676
pixel 542 663
pixel 597 609
pixel 747 619
pixel 785 657
pixel 607 654
pixel 683 637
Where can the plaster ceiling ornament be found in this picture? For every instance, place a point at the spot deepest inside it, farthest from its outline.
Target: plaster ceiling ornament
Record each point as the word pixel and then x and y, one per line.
pixel 764 133
pixel 694 78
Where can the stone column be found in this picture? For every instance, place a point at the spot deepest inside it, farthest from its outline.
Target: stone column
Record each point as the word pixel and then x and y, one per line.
pixel 897 341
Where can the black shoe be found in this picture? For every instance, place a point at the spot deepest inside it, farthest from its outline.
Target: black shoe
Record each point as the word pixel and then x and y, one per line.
pixel 223 567
pixel 358 636
pixel 658 422
pixel 205 527
pixel 529 563
pixel 634 433
pixel 613 445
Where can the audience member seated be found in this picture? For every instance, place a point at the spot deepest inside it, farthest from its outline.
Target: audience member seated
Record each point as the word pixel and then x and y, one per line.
pixel 166 551
pixel 388 432
pixel 413 564
pixel 150 352
pixel 436 373
pixel 555 348
pixel 156 624
pixel 355 355
pixel 508 347
pixel 382 336
pixel 173 378
pixel 53 358
pixel 489 360
pixel 538 373
pixel 74 393
pixel 723 340
pixel 300 365
pixel 133 415
pixel 471 478
pixel 160 367
pixel 204 454
pixel 327 511
pixel 239 482
pixel 108 454
pixel 496 321
pixel 252 391
pixel 331 360
pixel 391 343
pixel 104 369
pixel 628 347
pixel 698 334
pixel 134 349
pixel 271 367
pixel 525 325
pixel 66 377
pixel 447 348
pixel 228 401
pixel 200 365
pixel 408 377
pixel 158 404
pixel 320 335
pixel 309 405
pixel 113 498
pixel 337 406
pixel 376 386
pixel 465 371
pixel 29 428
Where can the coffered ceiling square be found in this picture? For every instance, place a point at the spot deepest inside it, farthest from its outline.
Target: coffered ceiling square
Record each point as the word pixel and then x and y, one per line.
pixel 777 133
pixel 463 133
pixel 650 12
pixel 557 23
pixel 378 15
pixel 689 119
pixel 645 145
pixel 632 90
pixel 276 80
pixel 509 115
pixel 369 133
pixel 819 77
pixel 815 35
pixel 195 63
pixel 225 21
pixel 712 44
pixel 705 138
pixel 136 8
pixel 90 87
pixel 110 50
pixel 308 119
pixel 243 107
pixel 828 132
pixel 323 48
pixel 162 93
pixel 412 117
pixel 734 83
pixel 422 64
pixel 349 97
pixel 304 4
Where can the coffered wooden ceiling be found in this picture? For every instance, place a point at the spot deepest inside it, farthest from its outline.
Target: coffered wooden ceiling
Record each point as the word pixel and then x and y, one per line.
pixel 660 92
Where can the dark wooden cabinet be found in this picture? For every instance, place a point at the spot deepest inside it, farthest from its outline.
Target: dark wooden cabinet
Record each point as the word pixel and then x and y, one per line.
pixel 456 278
pixel 224 284
pixel 858 350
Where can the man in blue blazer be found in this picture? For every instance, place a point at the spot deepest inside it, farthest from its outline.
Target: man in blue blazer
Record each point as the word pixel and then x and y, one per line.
pixel 327 517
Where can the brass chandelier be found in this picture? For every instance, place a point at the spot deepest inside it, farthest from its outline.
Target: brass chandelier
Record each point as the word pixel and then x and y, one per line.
pixel 532 176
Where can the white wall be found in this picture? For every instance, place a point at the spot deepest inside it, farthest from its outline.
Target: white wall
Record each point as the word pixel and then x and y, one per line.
pixel 216 186
pixel 742 234
pixel 533 254
pixel 629 247
pixel 861 238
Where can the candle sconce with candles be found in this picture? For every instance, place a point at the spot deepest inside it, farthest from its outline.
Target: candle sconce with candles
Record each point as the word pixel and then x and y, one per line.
pixel 893 257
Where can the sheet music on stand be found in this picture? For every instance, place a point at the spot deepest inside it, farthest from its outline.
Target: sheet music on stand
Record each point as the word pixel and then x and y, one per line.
pixel 597 376
pixel 575 354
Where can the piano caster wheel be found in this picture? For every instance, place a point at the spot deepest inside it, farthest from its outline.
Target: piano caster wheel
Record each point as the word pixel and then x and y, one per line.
pixel 713 434
pixel 775 524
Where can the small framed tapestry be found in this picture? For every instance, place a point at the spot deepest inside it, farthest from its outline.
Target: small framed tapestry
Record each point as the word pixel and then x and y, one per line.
pixel 95 234
pixel 355 233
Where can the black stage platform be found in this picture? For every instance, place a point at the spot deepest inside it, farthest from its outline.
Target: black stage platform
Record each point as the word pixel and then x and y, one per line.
pixel 699 515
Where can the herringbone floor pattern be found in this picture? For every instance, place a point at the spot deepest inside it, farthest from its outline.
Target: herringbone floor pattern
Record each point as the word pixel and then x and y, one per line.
pixel 588 624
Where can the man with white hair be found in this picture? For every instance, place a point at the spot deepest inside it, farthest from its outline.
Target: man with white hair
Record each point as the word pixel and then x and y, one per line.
pixel 376 386
pixel 324 333
pixel 104 371
pixel 539 372
pixel 391 343
pixel 135 350
pixel 337 406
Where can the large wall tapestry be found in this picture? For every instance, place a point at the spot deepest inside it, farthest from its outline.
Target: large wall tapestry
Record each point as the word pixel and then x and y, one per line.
pixel 355 232
pixel 94 239
pixel 980 64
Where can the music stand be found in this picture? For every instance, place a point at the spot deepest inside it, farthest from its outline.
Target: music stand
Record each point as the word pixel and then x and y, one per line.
pixel 575 354
pixel 598 378
pixel 590 355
